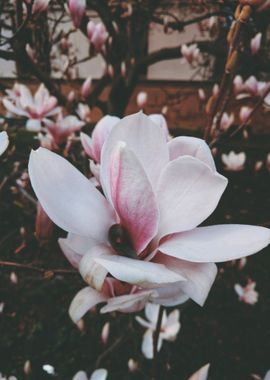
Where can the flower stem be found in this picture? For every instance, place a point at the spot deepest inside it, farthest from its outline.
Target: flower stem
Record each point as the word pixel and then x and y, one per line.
pixel 155 342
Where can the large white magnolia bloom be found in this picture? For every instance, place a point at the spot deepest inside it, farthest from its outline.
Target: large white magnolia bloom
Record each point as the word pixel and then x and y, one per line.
pixel 143 231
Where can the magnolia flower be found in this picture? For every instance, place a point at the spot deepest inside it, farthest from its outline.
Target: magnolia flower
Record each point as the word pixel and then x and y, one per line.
pixel 201 374
pixel 226 121
pixel 20 102
pixel 234 161
pixel 98 374
pixel 97 35
pixel 4 141
pixel 40 6
pixel 63 127
pixel 247 294
pixel 201 94
pixel 142 99
pixel 255 43
pixel 190 52
pixel 77 11
pixel 170 327
pixel 143 228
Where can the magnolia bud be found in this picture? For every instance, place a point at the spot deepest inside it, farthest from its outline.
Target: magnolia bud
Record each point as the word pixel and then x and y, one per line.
pixel 105 333
pixel 90 29
pixel 27 367
pixel 77 11
pixel 255 43
pixel 132 365
pixel 14 278
pixel 142 99
pixel 201 94
pixel 44 225
pixel 86 87
pixel 244 114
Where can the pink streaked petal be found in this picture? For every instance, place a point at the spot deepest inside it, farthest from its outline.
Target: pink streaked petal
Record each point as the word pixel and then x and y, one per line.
pixel 217 243
pixel 84 300
pixel 188 192
pixel 100 133
pixel 200 276
pixel 137 272
pixel 87 144
pixel 191 146
pixel 68 197
pixel 13 109
pixel 143 137
pixel 132 197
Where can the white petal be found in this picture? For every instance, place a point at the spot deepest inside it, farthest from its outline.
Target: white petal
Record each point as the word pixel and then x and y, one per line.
pixel 99 374
pixel 170 295
pixel 188 192
pixel 201 374
pixel 200 276
pixel 3 142
pixel 79 244
pixel 143 137
pixel 137 272
pixel 147 344
pixel 92 272
pixel 191 146
pixel 81 375
pixel 217 243
pixel 84 300
pixel 68 197
pixel 73 257
pixel 151 312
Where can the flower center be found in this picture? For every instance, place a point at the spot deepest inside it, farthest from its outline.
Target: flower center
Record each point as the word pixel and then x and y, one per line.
pixel 121 242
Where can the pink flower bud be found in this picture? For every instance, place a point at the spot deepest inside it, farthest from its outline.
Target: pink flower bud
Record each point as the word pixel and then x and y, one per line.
pixel 30 52
pixel 90 29
pixel 258 166
pixel 215 89
pixel 77 11
pixel 105 333
pixel 86 87
pixel 123 69
pixel 201 94
pixel 132 365
pixel 44 225
pixel 27 367
pixel 238 84
pixel 255 43
pixel 40 6
pixel 14 278
pixel 226 121
pixel 71 96
pixel 142 99
pixel 110 71
pixel 244 113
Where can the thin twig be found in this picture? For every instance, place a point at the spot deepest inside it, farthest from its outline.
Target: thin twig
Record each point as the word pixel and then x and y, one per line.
pixel 12 264
pixel 155 342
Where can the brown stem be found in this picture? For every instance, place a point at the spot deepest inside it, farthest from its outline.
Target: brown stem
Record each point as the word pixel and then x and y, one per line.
pixel 44 271
pixel 155 342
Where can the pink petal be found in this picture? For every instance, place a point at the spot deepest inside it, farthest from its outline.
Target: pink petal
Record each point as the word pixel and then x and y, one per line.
pixel 217 243
pixel 191 146
pixel 87 144
pixel 84 300
pixel 145 140
pixel 73 257
pixel 132 197
pixel 188 192
pixel 142 273
pixel 200 277
pixel 100 134
pixel 79 244
pixel 68 197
